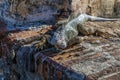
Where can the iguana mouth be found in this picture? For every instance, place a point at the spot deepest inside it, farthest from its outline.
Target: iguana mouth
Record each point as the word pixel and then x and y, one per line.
pixel 61 46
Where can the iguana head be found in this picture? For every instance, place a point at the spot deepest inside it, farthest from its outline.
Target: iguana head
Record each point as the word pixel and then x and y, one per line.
pixel 58 39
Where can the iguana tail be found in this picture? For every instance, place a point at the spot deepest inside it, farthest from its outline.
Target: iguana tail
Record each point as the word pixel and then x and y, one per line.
pixel 93 18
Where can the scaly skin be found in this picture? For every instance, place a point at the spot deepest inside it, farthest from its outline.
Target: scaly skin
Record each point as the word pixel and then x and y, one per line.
pixel 43 42
pixel 67 32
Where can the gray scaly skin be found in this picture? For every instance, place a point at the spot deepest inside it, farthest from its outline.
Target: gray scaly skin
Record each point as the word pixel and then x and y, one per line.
pixel 67 32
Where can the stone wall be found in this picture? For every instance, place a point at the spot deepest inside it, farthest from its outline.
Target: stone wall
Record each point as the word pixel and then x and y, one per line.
pixel 27 11
pixel 46 11
pixel 103 8
pixel 107 9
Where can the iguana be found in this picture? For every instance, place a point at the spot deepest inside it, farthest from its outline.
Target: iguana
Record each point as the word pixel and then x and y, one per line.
pixel 69 31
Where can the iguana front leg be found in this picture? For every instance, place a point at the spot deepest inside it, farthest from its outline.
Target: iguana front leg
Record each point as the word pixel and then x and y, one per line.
pixel 40 43
pixel 43 42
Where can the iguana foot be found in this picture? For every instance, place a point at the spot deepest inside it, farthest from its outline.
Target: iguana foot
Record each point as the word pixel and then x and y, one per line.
pixel 42 43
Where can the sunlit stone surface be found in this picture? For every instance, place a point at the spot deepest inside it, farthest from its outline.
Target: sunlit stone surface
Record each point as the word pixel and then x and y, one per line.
pixel 97 57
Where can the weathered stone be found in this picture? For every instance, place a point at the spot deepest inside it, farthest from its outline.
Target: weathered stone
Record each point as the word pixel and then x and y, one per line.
pixel 117 8
pixel 97 56
pixel 107 9
pixel 19 12
pixel 94 7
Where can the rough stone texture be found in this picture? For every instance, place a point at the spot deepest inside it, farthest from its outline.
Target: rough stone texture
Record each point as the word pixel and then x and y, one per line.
pixel 117 5
pixel 94 59
pixel 34 12
pixel 20 12
pixel 98 56
pixel 79 6
pixel 104 8
pixel 107 9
